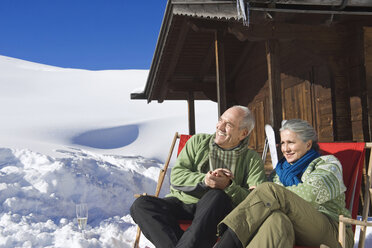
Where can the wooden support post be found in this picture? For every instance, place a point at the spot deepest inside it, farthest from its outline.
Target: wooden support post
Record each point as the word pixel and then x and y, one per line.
pixel 220 72
pixel 367 39
pixel 363 82
pixel 275 88
pixel 191 113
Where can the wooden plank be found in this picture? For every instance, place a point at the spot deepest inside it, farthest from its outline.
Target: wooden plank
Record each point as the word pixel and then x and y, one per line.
pixel 288 104
pixel 241 61
pixel 356 118
pixel 340 99
pixel 323 107
pixel 364 87
pixel 206 64
pixel 174 60
pixel 220 72
pixel 368 69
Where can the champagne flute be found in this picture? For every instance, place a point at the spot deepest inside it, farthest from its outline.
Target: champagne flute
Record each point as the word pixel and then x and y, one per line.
pixel 82 215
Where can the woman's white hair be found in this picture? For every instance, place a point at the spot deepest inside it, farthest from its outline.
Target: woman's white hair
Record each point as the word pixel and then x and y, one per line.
pixel 303 129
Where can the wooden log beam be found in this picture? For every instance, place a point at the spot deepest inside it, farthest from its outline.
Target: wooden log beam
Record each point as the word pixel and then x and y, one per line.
pixel 285 32
pixel 191 85
pixel 206 26
pixel 275 89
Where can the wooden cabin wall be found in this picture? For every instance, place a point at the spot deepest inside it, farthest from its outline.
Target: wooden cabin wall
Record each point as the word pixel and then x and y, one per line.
pixel 357 86
pixel 322 82
pixel 304 99
pixel 351 68
pixel 306 91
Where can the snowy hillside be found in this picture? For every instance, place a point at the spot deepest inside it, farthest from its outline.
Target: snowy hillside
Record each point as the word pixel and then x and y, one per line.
pixel 45 108
pixel 72 135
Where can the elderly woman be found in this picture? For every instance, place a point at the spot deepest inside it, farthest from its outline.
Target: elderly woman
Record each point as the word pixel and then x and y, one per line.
pixel 302 204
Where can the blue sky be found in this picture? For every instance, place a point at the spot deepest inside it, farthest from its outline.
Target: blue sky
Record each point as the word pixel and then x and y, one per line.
pixel 86 34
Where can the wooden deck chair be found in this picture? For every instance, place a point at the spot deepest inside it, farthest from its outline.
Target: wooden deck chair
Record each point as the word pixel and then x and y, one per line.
pixel 351 156
pixel 182 141
pixel 352 199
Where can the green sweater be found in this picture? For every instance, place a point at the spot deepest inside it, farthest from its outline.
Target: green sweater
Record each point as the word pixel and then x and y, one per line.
pixel 188 173
pixel 322 185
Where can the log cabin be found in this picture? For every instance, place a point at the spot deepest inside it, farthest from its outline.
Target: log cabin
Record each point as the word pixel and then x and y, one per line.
pixel 308 59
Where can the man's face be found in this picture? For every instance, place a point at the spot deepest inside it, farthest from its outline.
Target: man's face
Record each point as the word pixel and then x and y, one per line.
pixel 228 132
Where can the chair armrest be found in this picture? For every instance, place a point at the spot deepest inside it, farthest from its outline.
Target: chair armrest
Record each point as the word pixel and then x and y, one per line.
pixel 354 222
pixel 342 227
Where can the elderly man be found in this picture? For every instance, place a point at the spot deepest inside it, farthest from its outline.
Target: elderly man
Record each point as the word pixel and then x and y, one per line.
pixel 212 174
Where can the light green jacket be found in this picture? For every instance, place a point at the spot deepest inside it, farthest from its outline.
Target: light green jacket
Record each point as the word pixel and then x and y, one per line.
pixel 188 173
pixel 322 185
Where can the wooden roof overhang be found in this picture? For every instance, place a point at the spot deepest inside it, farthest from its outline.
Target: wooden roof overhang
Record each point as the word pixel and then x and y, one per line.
pixel 184 55
pixel 184 59
pixel 203 46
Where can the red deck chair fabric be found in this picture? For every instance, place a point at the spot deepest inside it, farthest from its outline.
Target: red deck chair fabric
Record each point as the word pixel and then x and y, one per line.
pixel 183 139
pixel 351 156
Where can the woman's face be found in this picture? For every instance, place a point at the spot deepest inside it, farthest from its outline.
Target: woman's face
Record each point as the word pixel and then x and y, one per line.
pixel 293 148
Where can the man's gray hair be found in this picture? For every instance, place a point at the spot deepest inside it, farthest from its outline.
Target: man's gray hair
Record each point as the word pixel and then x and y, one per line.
pixel 248 120
pixel 303 129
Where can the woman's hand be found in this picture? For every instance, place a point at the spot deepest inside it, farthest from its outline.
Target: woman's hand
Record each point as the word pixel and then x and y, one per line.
pixel 252 188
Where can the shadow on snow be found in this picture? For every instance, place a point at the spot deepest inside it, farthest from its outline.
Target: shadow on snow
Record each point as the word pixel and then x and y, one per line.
pixel 108 138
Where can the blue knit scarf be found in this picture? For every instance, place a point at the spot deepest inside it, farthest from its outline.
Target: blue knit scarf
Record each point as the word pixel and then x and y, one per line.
pixel 290 174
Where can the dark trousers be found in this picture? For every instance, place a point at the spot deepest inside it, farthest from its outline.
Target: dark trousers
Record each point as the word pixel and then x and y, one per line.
pixel 158 219
pixel 229 239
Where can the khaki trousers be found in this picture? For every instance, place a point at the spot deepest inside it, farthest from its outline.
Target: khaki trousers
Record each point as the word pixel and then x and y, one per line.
pixel 272 216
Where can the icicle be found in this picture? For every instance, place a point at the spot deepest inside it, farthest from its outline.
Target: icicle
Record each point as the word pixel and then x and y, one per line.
pixel 248 15
pixel 241 11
